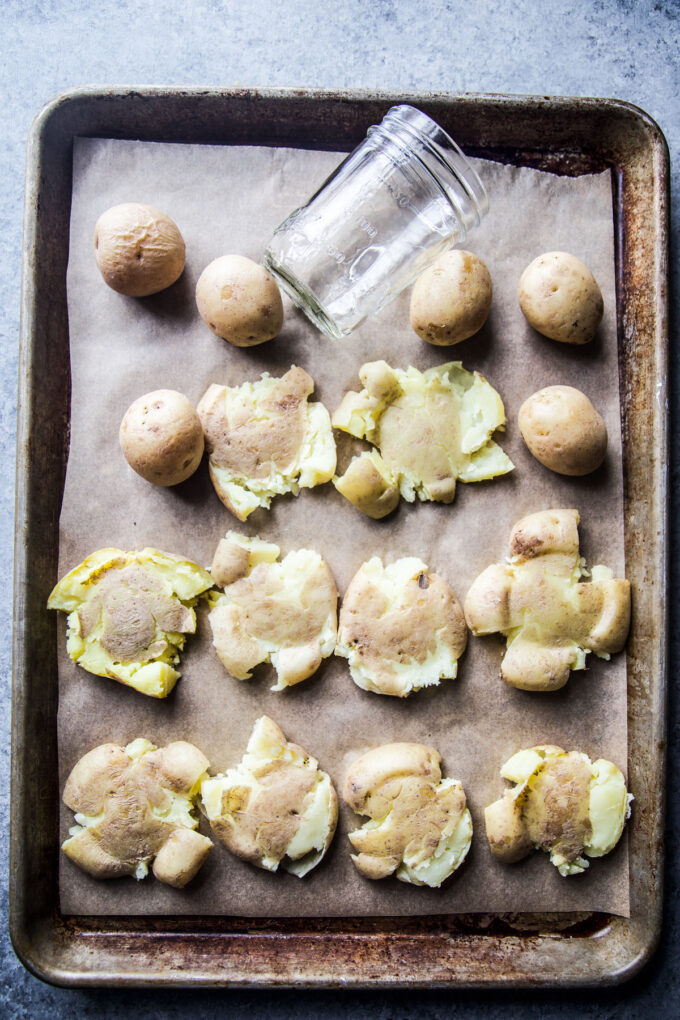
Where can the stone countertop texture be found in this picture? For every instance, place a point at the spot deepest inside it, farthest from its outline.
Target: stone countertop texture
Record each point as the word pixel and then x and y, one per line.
pixel 616 48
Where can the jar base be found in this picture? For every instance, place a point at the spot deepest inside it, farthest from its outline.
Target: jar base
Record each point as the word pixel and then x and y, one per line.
pixel 303 298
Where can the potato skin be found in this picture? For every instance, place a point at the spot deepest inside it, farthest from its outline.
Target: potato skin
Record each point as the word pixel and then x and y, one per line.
pixel 563 430
pixel 450 301
pixel 139 250
pixel 161 437
pixel 239 301
pixel 560 298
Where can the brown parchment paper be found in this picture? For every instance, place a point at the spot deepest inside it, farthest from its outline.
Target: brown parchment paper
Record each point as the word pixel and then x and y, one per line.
pixel 229 199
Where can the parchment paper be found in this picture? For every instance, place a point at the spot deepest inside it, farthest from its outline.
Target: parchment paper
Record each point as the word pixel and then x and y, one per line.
pixel 229 199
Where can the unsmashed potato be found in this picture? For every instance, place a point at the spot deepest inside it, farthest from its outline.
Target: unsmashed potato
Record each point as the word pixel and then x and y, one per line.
pixel 276 807
pixel 551 618
pixel 430 428
pixel 129 614
pixel 401 627
pixel 560 298
pixel 450 301
pixel 162 438
pixel 284 613
pixel 563 430
pixel 134 806
pixel 419 827
pixel 264 439
pixel 562 803
pixel 139 250
pixel 240 301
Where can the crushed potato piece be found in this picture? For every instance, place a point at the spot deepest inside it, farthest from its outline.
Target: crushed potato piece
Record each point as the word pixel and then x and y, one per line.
pixel 279 612
pixel 129 614
pixel 276 807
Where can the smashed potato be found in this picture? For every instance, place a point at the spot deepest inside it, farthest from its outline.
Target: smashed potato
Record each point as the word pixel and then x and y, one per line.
pixel 264 439
pixel 430 429
pixel 129 614
pixel 277 807
pixel 284 613
pixel 562 803
pixel 419 827
pixel 551 618
pixel 401 628
pixel 134 806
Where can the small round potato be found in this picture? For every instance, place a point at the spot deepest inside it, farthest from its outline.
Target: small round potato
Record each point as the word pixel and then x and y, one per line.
pixel 451 299
pixel 162 438
pixel 560 298
pixel 563 430
pixel 240 301
pixel 139 250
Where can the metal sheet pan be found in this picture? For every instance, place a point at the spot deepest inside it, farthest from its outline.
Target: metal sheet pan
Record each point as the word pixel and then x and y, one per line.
pixel 565 136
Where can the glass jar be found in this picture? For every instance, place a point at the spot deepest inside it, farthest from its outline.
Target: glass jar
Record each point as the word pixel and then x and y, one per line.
pixel 401 199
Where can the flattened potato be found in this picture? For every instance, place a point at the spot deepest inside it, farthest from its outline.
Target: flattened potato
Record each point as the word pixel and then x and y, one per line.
pixel 284 613
pixel 129 614
pixel 551 618
pixel 276 807
pixel 419 827
pixel 430 429
pixel 561 803
pixel 264 439
pixel 134 806
pixel 401 628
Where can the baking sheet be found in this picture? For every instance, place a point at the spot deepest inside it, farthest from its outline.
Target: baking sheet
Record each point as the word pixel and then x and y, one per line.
pixel 121 348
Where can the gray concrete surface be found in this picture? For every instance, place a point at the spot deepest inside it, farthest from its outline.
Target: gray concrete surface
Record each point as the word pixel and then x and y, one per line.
pixel 625 49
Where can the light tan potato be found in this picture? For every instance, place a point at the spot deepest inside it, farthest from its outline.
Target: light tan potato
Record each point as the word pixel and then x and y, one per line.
pixel 561 802
pixel 129 614
pixel 563 430
pixel 550 618
pixel 240 301
pixel 161 437
pixel 430 429
pixel 419 827
pixel 401 628
pixel 135 807
pixel 450 301
pixel 139 250
pixel 265 439
pixel 276 807
pixel 279 612
pixel 560 298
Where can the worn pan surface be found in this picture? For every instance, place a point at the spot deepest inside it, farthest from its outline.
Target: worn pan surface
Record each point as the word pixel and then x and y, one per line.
pixel 565 136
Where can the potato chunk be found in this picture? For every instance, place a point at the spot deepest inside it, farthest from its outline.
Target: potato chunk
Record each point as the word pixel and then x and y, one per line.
pixel 276 807
pixel 430 429
pixel 551 618
pixel 129 614
pixel 419 827
pixel 264 439
pixel 562 803
pixel 401 627
pixel 284 613
pixel 135 807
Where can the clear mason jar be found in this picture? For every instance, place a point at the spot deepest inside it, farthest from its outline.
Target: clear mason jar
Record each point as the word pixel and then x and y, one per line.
pixel 401 199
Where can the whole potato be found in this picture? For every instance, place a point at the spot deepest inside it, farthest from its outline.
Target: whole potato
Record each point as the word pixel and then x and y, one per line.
pixel 563 430
pixel 139 250
pixel 451 299
pixel 162 438
pixel 240 301
pixel 560 298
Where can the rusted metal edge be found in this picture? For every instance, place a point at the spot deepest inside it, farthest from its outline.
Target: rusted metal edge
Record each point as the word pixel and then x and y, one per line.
pixel 144 951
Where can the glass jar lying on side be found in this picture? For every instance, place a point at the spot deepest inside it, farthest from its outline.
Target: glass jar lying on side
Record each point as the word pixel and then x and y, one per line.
pixel 401 199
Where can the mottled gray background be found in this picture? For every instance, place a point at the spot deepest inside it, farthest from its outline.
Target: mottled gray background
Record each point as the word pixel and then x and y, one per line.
pixel 626 49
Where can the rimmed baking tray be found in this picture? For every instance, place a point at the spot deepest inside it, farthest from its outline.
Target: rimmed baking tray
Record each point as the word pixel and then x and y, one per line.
pixel 564 136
